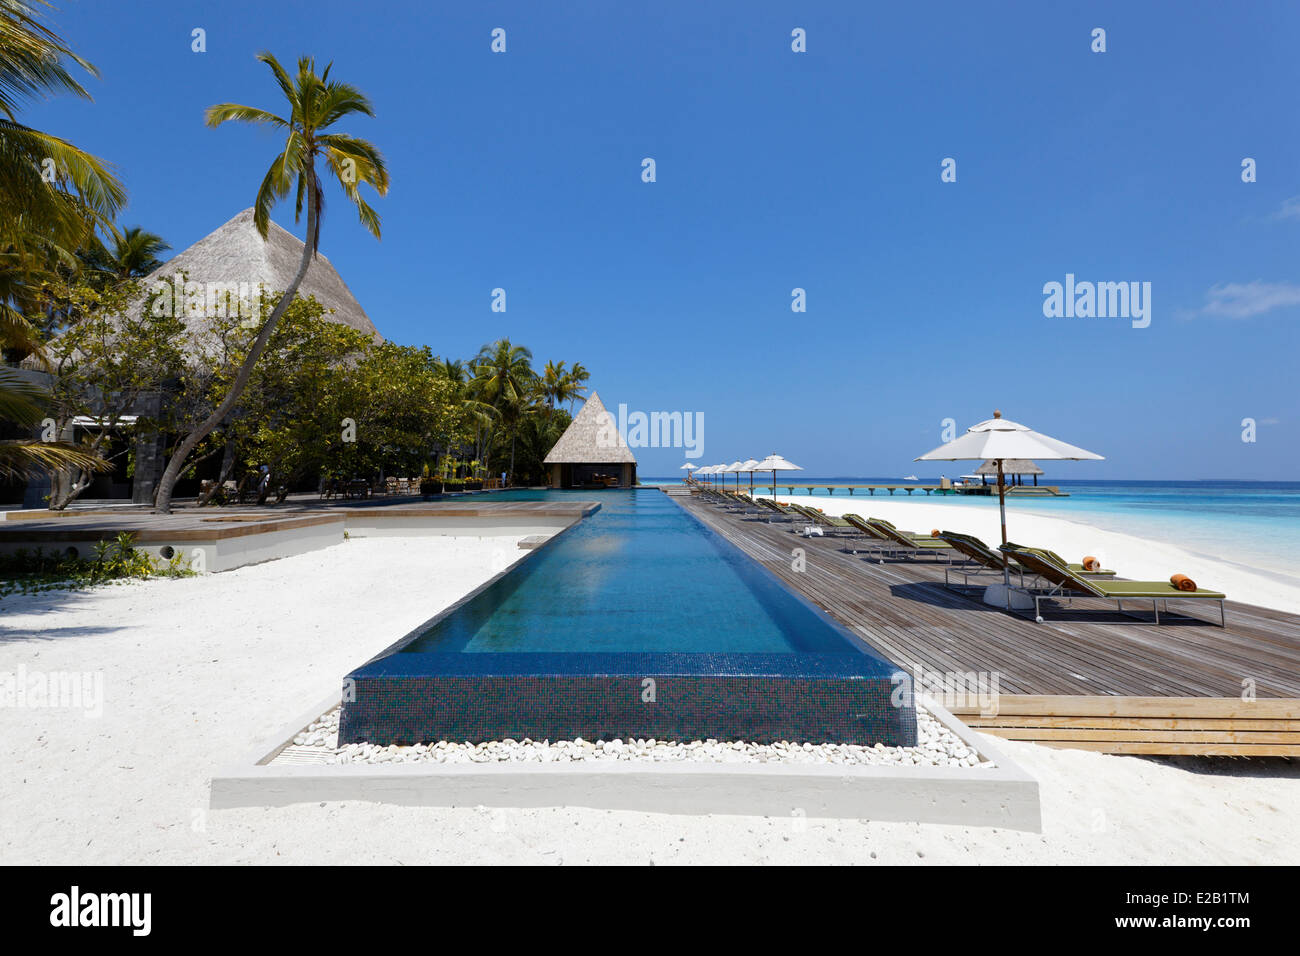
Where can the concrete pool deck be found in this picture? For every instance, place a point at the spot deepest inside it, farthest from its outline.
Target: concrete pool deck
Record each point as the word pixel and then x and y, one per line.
pixel 224 539
pixel 1003 796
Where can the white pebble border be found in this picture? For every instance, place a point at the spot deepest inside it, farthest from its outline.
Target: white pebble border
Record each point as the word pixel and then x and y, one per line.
pixel 937 747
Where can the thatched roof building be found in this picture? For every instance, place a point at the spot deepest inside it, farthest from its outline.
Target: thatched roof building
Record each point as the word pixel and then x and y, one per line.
pixel 1012 469
pixel 1010 466
pixel 591 453
pixel 236 253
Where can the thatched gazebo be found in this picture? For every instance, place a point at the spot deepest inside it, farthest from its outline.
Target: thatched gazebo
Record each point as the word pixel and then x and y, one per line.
pixel 591 453
pixel 235 254
pixel 222 266
pixel 1013 468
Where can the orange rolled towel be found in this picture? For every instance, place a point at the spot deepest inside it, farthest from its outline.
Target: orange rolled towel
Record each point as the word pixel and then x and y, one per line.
pixel 1182 582
pixel 934 532
pixel 1091 564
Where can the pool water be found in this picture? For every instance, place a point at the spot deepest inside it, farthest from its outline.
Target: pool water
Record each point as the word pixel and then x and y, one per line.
pixel 638 622
pixel 641 574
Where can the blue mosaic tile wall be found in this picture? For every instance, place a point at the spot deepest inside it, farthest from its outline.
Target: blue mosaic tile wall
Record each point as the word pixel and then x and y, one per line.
pixel 420 698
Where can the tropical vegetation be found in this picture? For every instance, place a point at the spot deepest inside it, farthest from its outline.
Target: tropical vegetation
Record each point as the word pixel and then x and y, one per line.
pixel 280 402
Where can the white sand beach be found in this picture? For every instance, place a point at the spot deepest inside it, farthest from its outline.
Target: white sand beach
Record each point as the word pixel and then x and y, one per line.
pixel 1132 557
pixel 197 671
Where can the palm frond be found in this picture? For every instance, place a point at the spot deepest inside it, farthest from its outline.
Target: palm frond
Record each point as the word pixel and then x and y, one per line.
pixel 227 112
pixel 27 458
pixel 34 64
pixel 20 398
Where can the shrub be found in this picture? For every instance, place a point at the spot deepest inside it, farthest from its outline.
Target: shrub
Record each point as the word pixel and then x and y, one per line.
pixel 27 572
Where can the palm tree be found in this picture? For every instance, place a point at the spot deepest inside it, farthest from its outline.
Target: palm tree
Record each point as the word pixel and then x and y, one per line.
pixel 453 370
pixel 134 253
pixel 504 380
pixel 558 385
pixel 578 375
pixel 503 372
pixel 53 197
pixel 54 194
pixel 21 403
pixel 315 104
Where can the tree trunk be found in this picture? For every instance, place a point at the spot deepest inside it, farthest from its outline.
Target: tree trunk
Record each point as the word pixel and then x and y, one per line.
pixel 66 486
pixel 163 501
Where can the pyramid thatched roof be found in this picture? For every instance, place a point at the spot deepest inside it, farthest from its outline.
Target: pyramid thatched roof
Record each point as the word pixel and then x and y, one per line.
pixel 592 438
pixel 236 252
pixel 1011 466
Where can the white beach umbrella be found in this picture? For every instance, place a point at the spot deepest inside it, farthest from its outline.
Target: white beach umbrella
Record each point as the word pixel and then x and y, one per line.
pixel 735 468
pixel 775 463
pixel 688 468
pixel 720 469
pixel 751 466
pixel 1002 440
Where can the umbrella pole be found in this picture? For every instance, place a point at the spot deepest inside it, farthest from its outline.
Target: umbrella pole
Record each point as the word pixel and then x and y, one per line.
pixel 1002 511
pixel 1002 502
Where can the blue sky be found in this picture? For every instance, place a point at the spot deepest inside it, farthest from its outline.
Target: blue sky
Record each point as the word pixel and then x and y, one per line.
pixel 777 170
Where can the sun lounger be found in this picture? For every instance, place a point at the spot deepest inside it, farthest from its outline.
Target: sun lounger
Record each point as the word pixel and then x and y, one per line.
pixel 981 559
pixel 775 511
pixel 871 539
pixel 1066 583
pixel 829 524
pixel 742 503
pixel 908 544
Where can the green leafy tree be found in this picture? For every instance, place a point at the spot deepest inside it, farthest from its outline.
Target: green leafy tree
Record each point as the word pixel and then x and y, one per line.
pixel 405 409
pixel 102 364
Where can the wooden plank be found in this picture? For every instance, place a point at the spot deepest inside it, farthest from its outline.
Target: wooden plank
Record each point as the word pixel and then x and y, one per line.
pixel 1133 723
pixel 1194 707
pixel 1172 736
pixel 1174 749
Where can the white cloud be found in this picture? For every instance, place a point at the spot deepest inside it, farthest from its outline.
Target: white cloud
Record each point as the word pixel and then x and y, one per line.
pixel 1241 300
pixel 1290 209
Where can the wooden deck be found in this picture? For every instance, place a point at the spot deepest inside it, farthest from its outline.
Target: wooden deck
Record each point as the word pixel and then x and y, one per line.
pixel 1086 677
pixel 48 528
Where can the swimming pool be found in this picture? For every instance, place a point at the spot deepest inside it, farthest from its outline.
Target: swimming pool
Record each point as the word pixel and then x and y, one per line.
pixel 637 622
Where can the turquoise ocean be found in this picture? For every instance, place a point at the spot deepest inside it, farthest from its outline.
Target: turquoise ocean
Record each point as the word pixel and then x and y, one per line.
pixel 1254 523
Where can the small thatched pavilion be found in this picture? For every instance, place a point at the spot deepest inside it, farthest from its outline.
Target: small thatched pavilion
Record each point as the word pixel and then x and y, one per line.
pixel 591 453
pixel 1012 468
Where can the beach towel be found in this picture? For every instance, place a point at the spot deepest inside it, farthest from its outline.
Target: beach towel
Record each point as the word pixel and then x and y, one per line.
pixel 1182 582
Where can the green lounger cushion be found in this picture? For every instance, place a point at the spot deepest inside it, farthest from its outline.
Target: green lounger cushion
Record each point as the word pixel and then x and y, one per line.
pixel 1115 590
pixel 1150 589
pixel 1057 559
pixel 921 542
